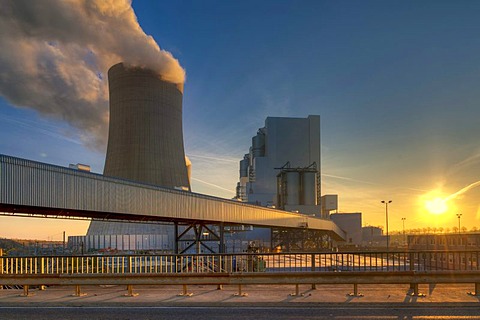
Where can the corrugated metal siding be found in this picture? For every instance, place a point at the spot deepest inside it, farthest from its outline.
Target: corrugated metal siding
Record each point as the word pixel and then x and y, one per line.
pixel 29 183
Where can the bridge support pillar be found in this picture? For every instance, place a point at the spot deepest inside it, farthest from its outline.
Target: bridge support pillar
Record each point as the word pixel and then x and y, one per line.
pixel 196 235
pixel 299 239
pixel 221 247
pixel 175 244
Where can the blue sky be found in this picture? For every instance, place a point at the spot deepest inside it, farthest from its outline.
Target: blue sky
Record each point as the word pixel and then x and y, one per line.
pixel 395 83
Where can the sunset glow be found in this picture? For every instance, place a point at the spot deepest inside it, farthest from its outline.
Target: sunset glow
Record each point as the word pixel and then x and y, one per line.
pixel 436 206
pixel 392 82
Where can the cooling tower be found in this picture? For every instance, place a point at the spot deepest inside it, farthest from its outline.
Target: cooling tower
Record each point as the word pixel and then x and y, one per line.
pixel 145 139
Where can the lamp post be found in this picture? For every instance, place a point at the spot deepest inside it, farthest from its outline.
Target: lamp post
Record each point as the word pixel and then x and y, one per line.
pixel 404 238
pixel 458 216
pixel 386 218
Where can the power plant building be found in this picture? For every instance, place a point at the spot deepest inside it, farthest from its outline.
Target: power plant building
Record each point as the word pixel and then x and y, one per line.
pixel 351 223
pixel 282 168
pixel 145 142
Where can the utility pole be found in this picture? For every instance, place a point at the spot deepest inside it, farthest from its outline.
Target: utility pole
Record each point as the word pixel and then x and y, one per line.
pixel 459 215
pixel 386 218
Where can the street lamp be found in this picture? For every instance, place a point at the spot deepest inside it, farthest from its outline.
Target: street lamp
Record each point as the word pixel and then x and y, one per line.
pixel 458 216
pixel 404 238
pixel 386 218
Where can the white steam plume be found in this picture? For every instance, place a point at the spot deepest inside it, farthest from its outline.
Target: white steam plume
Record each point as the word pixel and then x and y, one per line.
pixel 55 54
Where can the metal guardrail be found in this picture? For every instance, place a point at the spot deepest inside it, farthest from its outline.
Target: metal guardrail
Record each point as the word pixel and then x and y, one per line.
pixel 241 269
pixel 241 263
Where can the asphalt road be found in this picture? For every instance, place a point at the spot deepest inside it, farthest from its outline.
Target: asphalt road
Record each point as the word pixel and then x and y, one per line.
pixel 241 313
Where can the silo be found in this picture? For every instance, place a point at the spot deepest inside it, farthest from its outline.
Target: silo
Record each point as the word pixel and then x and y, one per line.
pixel 309 188
pixel 145 139
pixel 258 145
pixel 293 187
pixel 244 166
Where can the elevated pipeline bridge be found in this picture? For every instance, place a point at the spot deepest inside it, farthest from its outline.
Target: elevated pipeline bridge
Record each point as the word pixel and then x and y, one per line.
pixel 30 188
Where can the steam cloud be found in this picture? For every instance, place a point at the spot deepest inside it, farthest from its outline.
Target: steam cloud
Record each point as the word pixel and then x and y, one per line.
pixel 55 54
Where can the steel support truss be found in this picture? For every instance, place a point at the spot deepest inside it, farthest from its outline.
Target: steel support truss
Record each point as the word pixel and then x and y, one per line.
pixel 304 240
pixel 199 236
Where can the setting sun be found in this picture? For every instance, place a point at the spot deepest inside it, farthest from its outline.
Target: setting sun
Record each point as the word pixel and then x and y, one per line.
pixel 436 206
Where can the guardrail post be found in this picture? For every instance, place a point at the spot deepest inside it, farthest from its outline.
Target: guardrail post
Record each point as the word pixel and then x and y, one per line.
pixel 240 293
pixel 1 265
pixel 414 287
pixel 355 291
pixel 130 291
pixel 477 290
pixel 414 291
pixel 26 292
pixel 78 292
pixel 185 292
pixel 297 291
pixel 312 258
pixel 411 257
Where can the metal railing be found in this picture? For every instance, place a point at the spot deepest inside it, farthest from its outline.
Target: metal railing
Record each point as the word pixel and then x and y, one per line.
pixel 240 263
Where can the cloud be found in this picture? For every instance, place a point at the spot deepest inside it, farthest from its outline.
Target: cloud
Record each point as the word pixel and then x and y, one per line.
pixel 41 128
pixel 473 159
pixel 212 185
pixel 462 191
pixel 214 158
pixel 55 55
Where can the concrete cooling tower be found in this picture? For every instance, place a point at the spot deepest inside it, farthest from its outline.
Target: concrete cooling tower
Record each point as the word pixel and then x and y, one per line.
pixel 145 139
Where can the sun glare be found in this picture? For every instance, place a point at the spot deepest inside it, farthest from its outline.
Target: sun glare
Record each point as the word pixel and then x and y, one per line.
pixel 436 206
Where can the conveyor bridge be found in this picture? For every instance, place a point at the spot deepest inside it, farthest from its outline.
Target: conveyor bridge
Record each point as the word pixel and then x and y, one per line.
pixel 39 189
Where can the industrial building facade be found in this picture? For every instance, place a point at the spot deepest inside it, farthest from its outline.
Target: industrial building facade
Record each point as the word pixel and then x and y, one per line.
pixel 351 223
pixel 444 241
pixel 282 167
